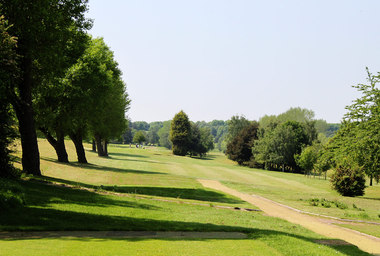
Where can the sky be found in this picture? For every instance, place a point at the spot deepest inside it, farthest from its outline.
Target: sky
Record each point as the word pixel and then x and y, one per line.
pixel 216 58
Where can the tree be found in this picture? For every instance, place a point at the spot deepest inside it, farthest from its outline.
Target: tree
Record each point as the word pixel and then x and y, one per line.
pixel 276 147
pixel 180 133
pixel 43 29
pixel 359 135
pixel 308 157
pixel 164 134
pixel 139 137
pixel 235 125
pixel 348 180
pixel 201 140
pixel 8 75
pixel 240 148
pixel 95 98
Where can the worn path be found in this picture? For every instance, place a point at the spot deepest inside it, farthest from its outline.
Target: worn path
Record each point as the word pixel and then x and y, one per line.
pixel 365 242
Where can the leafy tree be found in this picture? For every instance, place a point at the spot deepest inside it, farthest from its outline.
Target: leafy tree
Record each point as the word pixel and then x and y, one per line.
pixel 8 75
pixel 139 137
pixel 164 134
pixel 43 29
pixel 276 147
pixel 201 140
pixel 359 135
pixel 308 157
pixel 180 133
pixel 235 125
pixel 95 97
pixel 240 148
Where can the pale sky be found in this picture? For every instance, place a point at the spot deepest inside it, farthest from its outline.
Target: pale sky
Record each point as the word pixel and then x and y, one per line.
pixel 215 59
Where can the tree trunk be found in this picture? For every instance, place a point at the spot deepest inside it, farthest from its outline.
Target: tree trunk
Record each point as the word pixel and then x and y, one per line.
pixel 93 145
pixel 58 144
pixel 99 145
pixel 25 116
pixel 370 180
pixel 78 142
pixel 105 148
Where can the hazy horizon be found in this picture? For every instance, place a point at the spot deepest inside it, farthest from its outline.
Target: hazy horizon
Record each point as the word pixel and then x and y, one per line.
pixel 215 59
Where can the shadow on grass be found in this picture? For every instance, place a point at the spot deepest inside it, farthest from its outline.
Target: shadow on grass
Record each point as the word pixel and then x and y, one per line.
pixel 100 168
pixel 34 218
pixel 207 157
pixel 127 155
pixel 183 193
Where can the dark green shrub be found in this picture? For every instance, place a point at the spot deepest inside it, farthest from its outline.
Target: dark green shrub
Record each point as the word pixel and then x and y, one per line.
pixel 348 181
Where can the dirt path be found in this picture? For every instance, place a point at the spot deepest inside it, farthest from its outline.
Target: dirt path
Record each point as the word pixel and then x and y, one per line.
pixel 321 226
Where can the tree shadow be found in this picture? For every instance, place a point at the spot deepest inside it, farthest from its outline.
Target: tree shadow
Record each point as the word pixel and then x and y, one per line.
pixel 43 194
pixel 183 193
pixel 100 168
pixel 34 218
pixel 127 155
pixel 370 198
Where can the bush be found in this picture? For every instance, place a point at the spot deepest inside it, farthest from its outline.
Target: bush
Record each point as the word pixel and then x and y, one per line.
pixel 348 181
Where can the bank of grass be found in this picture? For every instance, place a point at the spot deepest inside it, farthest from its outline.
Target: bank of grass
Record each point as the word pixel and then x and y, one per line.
pixel 50 207
pixel 157 167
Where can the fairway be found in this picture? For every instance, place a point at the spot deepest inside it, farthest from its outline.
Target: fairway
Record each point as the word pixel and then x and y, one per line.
pixel 152 190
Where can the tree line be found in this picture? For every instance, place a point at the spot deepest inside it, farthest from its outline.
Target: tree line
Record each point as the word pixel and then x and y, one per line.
pixel 293 142
pixel 56 79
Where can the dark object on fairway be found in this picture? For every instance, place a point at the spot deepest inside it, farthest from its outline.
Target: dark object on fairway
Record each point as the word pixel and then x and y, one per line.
pixel 237 208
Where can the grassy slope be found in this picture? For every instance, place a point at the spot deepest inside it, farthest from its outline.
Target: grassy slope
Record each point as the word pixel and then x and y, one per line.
pixel 52 208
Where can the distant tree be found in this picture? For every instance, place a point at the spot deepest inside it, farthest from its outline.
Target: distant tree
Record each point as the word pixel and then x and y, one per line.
pixel 8 74
pixel 164 134
pixel 43 29
pixel 127 134
pixel 308 157
pixel 201 140
pixel 240 148
pixel 276 147
pixel 140 126
pixel 180 133
pixel 139 137
pixel 235 125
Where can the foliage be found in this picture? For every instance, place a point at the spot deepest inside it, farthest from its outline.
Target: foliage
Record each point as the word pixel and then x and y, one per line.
pixel 348 180
pixel 308 157
pixel 8 74
pixel 359 136
pixel 164 134
pixel 139 137
pixel 277 147
pixel 240 148
pixel 180 133
pixel 235 125
pixel 43 29
pixel 201 140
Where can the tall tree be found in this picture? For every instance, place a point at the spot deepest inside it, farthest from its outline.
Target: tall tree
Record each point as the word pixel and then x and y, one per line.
pixel 8 76
pixel 43 29
pixel 359 135
pixel 96 98
pixel 240 148
pixel 235 125
pixel 164 134
pixel 180 133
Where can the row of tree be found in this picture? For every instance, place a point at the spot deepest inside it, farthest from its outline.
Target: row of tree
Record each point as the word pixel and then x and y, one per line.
pixel 292 142
pixel 57 79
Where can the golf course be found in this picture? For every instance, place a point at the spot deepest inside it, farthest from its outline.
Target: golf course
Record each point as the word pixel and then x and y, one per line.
pixel 146 201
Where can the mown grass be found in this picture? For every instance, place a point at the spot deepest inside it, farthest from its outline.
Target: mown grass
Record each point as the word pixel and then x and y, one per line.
pixel 50 207
pixel 156 173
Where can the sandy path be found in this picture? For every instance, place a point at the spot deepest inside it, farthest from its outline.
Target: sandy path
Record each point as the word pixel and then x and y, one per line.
pixel 321 226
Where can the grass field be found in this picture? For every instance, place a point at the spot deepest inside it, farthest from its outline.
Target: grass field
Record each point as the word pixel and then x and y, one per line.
pixel 158 186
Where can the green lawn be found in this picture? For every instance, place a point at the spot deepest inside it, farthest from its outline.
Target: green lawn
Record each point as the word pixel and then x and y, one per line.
pixel 152 179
